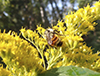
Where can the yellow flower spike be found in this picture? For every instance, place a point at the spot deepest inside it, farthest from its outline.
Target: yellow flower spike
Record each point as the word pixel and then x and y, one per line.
pixel 59 64
pixel 84 50
pixel 29 31
pixel 70 63
pixel 60 24
pixel 40 29
pixel 19 53
pixel 97 5
pixel 87 10
pixel 47 55
pixel 93 11
pixel 17 63
pixel 75 43
pixel 81 13
pixel 43 30
pixel 36 36
pixel 4 31
pixel 91 27
pixel 24 33
pixel 55 27
pixel 4 72
pixel 41 44
pixel 22 30
pixel 79 18
pixel 52 52
pixel 9 32
pixel 70 43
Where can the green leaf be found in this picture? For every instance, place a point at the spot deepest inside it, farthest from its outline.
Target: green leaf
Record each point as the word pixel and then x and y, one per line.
pixel 70 71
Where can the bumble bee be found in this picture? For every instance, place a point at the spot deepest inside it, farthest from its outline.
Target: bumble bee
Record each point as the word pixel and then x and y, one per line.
pixel 52 37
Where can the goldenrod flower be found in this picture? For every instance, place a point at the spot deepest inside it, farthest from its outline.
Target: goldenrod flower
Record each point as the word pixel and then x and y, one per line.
pixel 19 54
pixel 24 59
pixel 4 72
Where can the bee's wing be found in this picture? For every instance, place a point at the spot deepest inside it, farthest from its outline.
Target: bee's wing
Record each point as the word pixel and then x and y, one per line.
pixel 50 42
pixel 49 39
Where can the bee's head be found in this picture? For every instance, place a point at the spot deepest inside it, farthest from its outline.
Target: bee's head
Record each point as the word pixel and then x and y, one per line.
pixel 48 31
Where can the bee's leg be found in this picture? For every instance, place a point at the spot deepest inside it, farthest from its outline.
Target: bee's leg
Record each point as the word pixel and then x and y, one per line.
pixel 56 31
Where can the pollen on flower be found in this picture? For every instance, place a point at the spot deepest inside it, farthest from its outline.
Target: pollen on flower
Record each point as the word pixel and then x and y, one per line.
pixel 84 50
pixel 73 52
pixel 80 47
pixel 91 27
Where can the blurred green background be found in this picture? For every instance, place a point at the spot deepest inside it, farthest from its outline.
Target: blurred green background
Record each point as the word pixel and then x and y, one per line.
pixel 28 13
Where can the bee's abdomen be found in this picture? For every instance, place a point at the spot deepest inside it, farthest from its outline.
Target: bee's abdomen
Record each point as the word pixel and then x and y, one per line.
pixel 60 43
pixel 56 41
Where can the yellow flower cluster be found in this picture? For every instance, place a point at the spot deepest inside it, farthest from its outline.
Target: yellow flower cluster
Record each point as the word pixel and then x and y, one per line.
pixel 74 51
pixel 36 40
pixel 24 59
pixel 81 21
pixel 4 72
pixel 19 55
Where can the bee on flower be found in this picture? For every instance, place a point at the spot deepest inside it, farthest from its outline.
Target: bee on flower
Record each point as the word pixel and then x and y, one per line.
pixel 52 37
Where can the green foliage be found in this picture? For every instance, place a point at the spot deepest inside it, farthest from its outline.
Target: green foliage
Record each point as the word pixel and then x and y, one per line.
pixel 70 71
